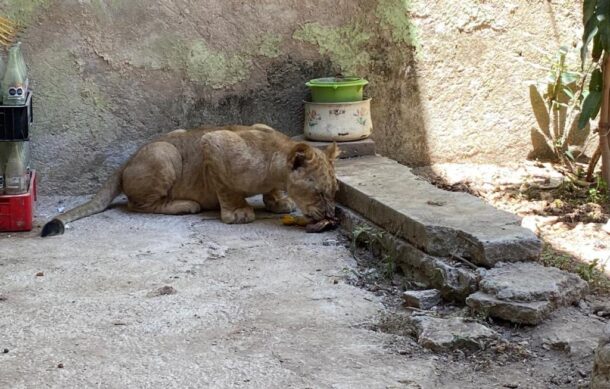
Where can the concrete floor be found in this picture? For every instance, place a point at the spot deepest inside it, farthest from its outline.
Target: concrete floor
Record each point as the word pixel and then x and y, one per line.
pixel 257 306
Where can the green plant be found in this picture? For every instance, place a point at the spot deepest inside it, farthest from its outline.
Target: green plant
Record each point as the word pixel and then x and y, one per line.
pixel 598 193
pixel 378 244
pixel 596 21
pixel 556 104
pixel 592 272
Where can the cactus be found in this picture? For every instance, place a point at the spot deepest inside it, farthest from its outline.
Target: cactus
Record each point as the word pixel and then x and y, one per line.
pixel 556 107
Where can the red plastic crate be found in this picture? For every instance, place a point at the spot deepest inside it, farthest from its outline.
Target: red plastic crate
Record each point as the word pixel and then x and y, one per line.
pixel 17 211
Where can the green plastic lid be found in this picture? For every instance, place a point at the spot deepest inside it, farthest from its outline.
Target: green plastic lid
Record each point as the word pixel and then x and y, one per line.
pixel 335 82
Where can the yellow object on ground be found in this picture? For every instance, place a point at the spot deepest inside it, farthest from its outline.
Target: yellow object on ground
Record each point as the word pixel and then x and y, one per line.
pixel 290 220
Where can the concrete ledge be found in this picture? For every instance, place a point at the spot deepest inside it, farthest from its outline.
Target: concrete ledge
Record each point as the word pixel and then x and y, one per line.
pixel 452 279
pixel 357 148
pixel 438 222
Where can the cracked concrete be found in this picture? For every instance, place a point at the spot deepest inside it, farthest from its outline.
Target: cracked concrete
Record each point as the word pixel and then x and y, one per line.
pixel 259 306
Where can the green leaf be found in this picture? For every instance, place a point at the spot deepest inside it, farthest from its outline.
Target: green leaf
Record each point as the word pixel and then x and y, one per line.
pixel 588 9
pixel 568 93
pixel 596 83
pixel 540 110
pixel 568 77
pixel 590 108
pixel 604 33
pixel 591 30
pixel 596 54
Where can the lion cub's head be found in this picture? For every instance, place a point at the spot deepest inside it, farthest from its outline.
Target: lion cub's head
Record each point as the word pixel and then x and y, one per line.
pixel 311 181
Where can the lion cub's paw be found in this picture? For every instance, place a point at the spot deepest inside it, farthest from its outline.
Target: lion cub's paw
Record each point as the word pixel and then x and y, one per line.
pixel 238 216
pixel 283 205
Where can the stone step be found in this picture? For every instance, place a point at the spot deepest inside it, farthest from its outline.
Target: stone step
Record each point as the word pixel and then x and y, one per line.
pixel 525 293
pixel 357 148
pixel 438 222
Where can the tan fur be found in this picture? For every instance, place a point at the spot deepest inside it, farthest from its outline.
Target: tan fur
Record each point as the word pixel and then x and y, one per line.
pixel 218 167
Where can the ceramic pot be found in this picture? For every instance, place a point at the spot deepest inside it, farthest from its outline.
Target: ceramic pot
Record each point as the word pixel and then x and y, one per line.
pixel 338 121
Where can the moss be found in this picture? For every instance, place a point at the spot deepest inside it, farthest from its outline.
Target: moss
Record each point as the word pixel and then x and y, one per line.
pixel 22 11
pixel 160 52
pixel 216 69
pixel 394 14
pixel 268 45
pixel 345 45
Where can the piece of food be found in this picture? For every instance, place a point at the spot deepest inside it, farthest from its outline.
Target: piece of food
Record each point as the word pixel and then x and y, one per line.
pixel 290 220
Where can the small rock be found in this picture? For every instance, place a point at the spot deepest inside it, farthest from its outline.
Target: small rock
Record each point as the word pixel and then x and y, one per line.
pixel 438 334
pixel 60 365
pixel 555 380
pixel 582 373
pixel 422 299
pixel 162 291
pixel 330 242
pixel 459 355
pixel 5 351
pixel 40 274
pixel 3 297
pixel 583 305
pixel 511 386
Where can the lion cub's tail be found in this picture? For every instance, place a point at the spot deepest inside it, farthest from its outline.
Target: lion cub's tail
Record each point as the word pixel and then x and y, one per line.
pixel 99 202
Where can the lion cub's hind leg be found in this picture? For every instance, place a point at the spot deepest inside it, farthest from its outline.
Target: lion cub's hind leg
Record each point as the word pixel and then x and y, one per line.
pixel 149 177
pixel 277 201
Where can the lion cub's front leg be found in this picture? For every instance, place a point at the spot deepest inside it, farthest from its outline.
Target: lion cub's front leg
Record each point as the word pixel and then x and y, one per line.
pixel 234 209
pixel 278 202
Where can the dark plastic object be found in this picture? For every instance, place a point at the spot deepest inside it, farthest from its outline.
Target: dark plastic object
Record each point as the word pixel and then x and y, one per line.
pixel 15 121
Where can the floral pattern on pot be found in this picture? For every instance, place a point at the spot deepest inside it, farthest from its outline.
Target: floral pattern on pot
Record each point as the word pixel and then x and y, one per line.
pixel 361 115
pixel 338 121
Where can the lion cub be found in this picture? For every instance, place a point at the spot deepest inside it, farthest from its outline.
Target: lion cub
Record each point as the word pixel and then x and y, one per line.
pixel 218 167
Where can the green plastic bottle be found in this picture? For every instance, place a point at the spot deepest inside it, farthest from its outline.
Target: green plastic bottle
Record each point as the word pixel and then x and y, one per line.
pixel 22 66
pixel 14 86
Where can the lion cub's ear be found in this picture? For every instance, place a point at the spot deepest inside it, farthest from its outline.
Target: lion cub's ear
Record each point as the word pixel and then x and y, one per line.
pixel 332 152
pixel 300 155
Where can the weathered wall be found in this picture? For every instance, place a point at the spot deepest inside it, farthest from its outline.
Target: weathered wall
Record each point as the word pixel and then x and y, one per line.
pixel 447 78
